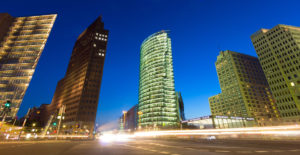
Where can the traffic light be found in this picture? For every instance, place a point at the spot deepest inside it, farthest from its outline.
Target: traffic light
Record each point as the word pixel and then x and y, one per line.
pixel 54 123
pixel 7 104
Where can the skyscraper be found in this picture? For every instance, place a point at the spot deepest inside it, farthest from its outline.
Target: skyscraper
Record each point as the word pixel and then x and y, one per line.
pixel 278 50
pixel 245 91
pixel 22 42
pixel 157 99
pixel 79 89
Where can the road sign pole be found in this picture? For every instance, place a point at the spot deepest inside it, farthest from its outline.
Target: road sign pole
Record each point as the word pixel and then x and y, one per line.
pixel 24 122
pixel 61 112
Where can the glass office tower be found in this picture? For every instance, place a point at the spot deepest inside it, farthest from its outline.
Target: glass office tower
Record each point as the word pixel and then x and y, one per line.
pixel 22 40
pixel 157 99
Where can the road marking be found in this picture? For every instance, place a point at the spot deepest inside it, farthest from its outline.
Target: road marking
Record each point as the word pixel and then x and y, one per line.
pixel 262 151
pixel 243 151
pixel 164 152
pixel 138 147
pixel 153 150
pixel 202 150
pixel 277 151
pixel 222 151
pixel 294 150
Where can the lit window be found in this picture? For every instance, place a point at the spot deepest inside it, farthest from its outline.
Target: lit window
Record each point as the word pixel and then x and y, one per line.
pixel 292 84
pixel 97 33
pixel 94 45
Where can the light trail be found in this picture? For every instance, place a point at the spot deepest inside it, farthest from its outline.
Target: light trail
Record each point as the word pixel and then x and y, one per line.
pixel 54 136
pixel 277 130
pixel 108 138
pixel 293 131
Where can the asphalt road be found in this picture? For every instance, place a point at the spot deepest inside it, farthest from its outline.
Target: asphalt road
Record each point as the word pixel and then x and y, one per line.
pixel 151 147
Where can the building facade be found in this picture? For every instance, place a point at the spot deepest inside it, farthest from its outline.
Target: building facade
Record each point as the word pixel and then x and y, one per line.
pixel 79 89
pixel 278 50
pixel 37 116
pixel 157 98
pixel 219 122
pixel 22 40
pixel 245 91
pixel 129 119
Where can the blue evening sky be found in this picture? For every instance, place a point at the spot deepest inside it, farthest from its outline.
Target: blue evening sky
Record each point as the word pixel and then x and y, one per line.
pixel 199 29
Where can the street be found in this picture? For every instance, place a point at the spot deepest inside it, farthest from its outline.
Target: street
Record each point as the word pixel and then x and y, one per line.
pixel 150 147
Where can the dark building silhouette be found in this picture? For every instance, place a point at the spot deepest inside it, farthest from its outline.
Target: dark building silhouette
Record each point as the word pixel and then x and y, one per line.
pixel 79 89
pixel 37 116
pixel 180 106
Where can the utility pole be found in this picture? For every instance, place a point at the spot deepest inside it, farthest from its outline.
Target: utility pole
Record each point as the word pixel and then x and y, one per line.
pixel 60 117
pixel 24 122
pixel 15 121
pixel 47 126
pixel 6 110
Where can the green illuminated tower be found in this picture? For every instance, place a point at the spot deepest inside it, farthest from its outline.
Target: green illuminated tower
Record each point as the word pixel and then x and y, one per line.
pixel 157 99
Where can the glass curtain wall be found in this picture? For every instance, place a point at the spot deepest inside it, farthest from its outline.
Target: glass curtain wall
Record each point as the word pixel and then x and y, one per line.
pixel 157 99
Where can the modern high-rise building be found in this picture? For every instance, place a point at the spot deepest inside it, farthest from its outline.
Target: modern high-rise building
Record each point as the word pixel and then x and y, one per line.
pixel 22 40
pixel 157 99
pixel 129 119
pixel 180 104
pixel 278 51
pixel 79 89
pixel 245 91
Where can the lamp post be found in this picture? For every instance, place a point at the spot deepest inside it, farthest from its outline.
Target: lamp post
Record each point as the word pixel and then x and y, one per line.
pixel 24 122
pixel 60 117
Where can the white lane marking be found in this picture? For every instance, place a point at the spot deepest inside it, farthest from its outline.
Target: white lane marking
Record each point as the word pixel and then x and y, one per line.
pixel 138 147
pixel 243 151
pixel 222 151
pixel 262 151
pixel 277 151
pixel 294 150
